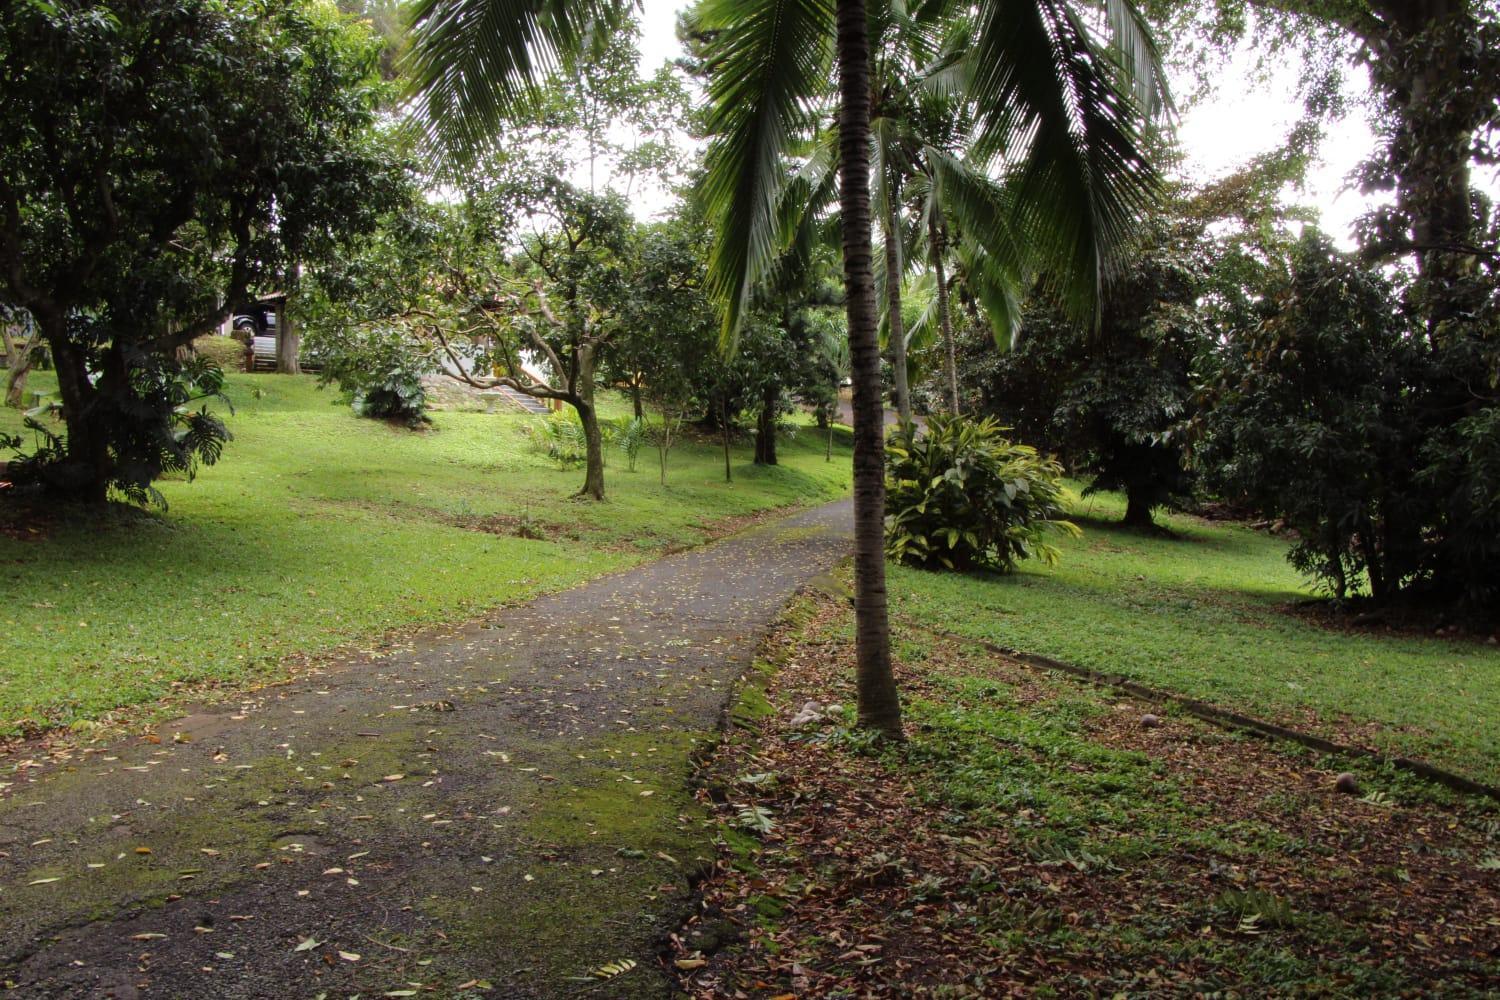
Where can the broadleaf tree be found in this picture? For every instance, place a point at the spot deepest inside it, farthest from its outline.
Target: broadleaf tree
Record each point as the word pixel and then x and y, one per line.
pixel 164 159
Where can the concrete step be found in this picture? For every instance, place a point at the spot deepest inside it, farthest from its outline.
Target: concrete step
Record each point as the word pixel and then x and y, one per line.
pixel 519 400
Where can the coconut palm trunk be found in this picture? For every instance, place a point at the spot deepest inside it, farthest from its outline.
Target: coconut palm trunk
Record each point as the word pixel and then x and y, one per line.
pixel 945 316
pixel 879 705
pixel 895 326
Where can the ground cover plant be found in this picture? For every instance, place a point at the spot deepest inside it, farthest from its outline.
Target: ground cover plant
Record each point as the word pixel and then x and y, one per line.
pixel 962 496
pixel 1212 613
pixel 1040 836
pixel 326 529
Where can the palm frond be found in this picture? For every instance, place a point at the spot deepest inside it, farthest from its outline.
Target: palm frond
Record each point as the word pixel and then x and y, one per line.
pixel 805 204
pixel 997 291
pixel 1136 49
pixel 980 208
pixel 923 332
pixel 474 62
pixel 1051 106
pixel 771 61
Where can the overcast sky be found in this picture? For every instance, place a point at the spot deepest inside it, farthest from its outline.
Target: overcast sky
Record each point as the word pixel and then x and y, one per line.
pixel 1243 119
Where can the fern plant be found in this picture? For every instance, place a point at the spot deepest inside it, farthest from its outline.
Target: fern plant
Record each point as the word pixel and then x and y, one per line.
pixel 559 436
pixel 962 496
pixel 631 436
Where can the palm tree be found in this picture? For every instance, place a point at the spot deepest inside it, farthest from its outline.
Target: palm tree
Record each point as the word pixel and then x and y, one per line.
pixel 908 46
pixel 833 351
pixel 1049 101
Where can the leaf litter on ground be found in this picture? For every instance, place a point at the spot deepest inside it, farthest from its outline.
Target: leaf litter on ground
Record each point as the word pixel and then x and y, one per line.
pixel 1033 834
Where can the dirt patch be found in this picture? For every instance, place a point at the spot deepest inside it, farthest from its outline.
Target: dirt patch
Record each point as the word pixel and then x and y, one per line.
pixel 1035 835
pixel 520 526
pixel 28 515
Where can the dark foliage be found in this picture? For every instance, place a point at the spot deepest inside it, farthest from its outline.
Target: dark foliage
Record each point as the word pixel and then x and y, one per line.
pixel 1109 402
pixel 1337 416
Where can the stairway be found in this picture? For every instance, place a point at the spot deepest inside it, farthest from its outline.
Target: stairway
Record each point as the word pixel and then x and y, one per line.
pixel 519 400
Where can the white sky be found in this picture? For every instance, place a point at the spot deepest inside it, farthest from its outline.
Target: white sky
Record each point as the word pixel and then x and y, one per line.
pixel 1244 118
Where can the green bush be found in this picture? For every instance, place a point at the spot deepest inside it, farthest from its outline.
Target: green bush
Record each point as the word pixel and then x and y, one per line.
pixel 226 352
pixel 630 434
pixel 376 367
pixel 398 396
pixel 559 436
pixel 961 495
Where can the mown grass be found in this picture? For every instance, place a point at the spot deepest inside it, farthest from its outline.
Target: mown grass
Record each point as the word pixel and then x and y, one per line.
pixel 319 529
pixel 1208 614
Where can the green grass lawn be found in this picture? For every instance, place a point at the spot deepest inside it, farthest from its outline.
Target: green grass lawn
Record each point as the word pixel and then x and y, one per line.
pixel 1207 615
pixel 320 529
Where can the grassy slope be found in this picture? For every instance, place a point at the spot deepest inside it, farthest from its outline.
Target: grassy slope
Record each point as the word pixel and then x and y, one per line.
pixel 318 529
pixel 1206 615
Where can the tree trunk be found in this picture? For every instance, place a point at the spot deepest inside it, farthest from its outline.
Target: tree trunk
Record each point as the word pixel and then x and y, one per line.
pixel 895 323
pixel 582 387
pixel 635 398
pixel 945 317
pixel 84 472
pixel 724 432
pixel 1432 186
pixel 879 703
pixel 593 440
pixel 1138 510
pixel 1334 551
pixel 15 385
pixel 765 428
pixel 663 443
pixel 288 343
pixel 1374 567
pixel 18 364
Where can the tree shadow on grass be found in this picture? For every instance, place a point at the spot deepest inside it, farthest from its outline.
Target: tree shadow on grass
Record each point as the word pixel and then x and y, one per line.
pixel 1113 527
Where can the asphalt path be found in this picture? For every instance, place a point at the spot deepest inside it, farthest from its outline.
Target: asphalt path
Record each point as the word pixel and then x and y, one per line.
pixel 492 810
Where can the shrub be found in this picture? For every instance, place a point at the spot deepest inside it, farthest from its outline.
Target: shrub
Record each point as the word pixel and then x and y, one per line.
pixel 961 495
pixel 376 367
pixel 630 434
pixel 559 436
pixel 226 352
pixel 1315 420
pixel 398 396
pixel 177 439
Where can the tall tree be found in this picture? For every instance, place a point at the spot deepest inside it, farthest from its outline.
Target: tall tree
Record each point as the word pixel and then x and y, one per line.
pixel 1432 66
pixel 161 160
pixel 1042 87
